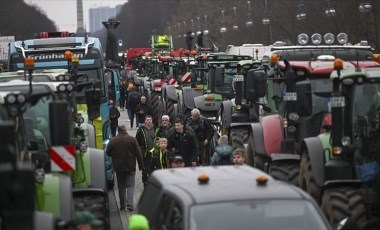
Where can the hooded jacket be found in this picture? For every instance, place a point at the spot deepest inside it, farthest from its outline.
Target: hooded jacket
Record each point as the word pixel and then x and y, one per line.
pixel 222 151
pixel 124 151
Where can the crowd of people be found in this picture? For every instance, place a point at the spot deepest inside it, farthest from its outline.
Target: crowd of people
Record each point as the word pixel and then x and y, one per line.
pixel 186 143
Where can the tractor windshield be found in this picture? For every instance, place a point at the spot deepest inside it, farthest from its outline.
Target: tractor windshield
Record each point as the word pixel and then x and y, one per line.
pixel 366 113
pixel 320 88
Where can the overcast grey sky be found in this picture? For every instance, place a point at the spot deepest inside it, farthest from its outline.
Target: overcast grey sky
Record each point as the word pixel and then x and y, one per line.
pixel 63 12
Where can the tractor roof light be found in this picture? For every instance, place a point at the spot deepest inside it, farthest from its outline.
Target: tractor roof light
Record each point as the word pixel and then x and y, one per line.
pixel 262 180
pixel 15 98
pixel 209 98
pixel 303 39
pixel 342 38
pixel 338 64
pixel 68 55
pixel 203 178
pixel 316 39
pixel 74 59
pixel 292 129
pixel 274 58
pixel 329 38
pixel 376 58
pixel 29 64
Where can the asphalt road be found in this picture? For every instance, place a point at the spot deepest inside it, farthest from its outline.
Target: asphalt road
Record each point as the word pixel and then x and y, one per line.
pixel 119 218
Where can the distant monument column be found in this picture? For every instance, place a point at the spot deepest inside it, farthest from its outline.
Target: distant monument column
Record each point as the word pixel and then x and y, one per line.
pixel 111 46
pixel 80 23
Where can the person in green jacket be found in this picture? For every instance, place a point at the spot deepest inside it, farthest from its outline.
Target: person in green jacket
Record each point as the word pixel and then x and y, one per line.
pixel 223 152
pixel 160 159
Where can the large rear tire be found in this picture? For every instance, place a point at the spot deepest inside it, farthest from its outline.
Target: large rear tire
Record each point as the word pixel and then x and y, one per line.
pixel 239 137
pixel 306 178
pixel 287 171
pixel 154 103
pixel 340 203
pixel 170 110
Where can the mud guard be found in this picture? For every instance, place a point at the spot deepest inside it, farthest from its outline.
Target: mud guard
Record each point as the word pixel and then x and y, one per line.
pixel 227 111
pixel 170 93
pixel 91 135
pixel 272 133
pixel 44 220
pixel 98 171
pixel 315 149
pixel 188 95
pixel 258 139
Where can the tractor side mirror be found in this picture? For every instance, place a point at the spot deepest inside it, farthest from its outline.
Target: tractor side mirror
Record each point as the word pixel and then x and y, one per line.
pixel 93 103
pixel 59 125
pixel 304 98
pixel 219 76
pixel 256 85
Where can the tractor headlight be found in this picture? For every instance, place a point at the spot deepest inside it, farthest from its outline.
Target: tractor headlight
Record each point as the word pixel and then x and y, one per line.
pixel 292 129
pixel 346 141
pixel 294 116
pixel 83 147
pixel 316 39
pixel 329 38
pixel 39 175
pixel 342 38
pixel 303 39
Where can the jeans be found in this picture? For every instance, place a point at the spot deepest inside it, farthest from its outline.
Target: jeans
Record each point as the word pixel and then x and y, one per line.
pixel 126 186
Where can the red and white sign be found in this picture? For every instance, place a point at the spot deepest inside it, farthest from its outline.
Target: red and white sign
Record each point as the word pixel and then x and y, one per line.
pixel 62 158
pixel 172 81
pixel 186 78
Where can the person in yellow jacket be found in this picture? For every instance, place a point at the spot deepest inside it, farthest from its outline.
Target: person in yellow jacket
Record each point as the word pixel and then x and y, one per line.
pixel 160 159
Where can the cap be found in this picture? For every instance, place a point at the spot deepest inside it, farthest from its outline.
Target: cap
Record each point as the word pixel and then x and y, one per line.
pixel 138 222
pixel 178 158
pixel 86 217
pixel 165 117
pixel 223 140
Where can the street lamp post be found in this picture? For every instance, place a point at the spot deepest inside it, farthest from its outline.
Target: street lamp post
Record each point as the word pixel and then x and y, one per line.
pixel 365 8
pixel 301 15
pixel 249 21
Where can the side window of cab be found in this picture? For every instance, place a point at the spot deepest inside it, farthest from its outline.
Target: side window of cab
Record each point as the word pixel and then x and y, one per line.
pixel 170 214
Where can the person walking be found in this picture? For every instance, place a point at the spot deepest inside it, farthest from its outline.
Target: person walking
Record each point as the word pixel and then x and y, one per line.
pixel 122 95
pixel 183 142
pixel 223 152
pixel 145 139
pixel 165 125
pixel 161 157
pixel 114 115
pixel 143 109
pixel 204 132
pixel 134 98
pixel 125 151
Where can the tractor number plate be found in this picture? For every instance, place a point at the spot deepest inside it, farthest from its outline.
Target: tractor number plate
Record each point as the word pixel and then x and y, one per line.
pixel 290 96
pixel 238 78
pixel 337 102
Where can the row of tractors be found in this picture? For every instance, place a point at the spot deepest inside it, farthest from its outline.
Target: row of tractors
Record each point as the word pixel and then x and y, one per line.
pixel 55 127
pixel 307 114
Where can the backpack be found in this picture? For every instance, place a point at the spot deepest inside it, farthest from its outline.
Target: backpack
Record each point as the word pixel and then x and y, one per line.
pixel 134 99
pixel 226 160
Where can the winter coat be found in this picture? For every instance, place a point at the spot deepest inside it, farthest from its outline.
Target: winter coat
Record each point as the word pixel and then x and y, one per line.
pixel 202 128
pixel 124 151
pixel 163 132
pixel 184 144
pixel 222 155
pixel 142 110
pixel 141 137
pixel 160 160
pixel 114 115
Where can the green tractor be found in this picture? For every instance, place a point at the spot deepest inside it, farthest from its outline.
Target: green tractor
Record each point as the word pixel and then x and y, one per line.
pixel 340 169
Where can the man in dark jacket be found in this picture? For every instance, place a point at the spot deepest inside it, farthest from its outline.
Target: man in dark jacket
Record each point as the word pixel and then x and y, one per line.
pixel 183 142
pixel 163 130
pixel 204 131
pixel 114 115
pixel 124 151
pixel 133 100
pixel 143 109
pixel 145 139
